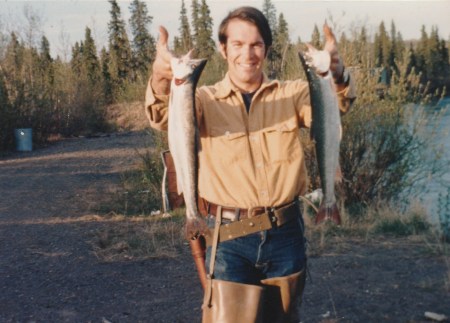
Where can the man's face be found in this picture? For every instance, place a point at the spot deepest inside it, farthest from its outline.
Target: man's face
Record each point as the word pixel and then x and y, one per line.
pixel 245 53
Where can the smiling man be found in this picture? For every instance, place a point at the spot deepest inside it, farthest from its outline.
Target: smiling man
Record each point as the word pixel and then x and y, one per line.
pixel 251 171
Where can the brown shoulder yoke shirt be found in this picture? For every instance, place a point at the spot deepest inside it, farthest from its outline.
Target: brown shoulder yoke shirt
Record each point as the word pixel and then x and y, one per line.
pixel 249 159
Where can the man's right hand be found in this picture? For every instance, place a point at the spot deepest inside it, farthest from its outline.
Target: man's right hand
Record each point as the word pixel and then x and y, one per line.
pixel 162 71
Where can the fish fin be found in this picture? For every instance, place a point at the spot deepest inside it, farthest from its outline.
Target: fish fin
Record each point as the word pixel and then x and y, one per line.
pixel 328 213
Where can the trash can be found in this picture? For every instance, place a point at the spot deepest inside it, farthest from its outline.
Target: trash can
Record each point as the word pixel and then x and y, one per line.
pixel 24 139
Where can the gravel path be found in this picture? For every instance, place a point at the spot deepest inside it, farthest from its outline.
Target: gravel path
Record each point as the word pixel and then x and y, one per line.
pixel 49 272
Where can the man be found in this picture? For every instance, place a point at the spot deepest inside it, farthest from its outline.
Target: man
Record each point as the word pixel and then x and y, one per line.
pixel 251 162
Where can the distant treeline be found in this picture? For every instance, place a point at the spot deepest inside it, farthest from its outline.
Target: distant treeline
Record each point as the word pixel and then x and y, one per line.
pixel 54 96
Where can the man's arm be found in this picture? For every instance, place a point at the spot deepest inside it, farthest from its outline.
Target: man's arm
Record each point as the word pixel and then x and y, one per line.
pixel 158 87
pixel 345 87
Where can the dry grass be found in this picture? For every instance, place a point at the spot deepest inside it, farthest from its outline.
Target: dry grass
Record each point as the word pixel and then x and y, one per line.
pixel 375 222
pixel 127 116
pixel 140 238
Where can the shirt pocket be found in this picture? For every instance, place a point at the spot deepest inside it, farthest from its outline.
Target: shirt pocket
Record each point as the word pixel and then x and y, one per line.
pixel 229 145
pixel 282 142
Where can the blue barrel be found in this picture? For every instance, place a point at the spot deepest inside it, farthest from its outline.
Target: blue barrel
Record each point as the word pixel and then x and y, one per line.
pixel 24 139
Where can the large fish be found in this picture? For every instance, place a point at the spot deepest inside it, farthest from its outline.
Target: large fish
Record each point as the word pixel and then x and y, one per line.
pixel 183 136
pixel 325 128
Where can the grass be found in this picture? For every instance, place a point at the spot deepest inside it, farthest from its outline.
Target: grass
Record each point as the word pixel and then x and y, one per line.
pixel 146 237
pixel 140 238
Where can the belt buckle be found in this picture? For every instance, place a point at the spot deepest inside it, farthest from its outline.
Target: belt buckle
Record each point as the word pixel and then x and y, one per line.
pixel 271 213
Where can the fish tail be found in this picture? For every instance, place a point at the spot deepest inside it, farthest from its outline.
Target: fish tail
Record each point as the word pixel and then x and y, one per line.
pixel 328 213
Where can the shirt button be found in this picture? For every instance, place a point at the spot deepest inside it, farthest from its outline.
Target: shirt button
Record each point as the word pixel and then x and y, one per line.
pixel 227 133
pixel 259 165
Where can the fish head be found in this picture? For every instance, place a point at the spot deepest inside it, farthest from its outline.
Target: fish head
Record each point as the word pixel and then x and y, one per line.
pixel 186 68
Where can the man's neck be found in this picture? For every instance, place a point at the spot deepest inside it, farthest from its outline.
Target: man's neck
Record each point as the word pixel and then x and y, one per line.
pixel 246 88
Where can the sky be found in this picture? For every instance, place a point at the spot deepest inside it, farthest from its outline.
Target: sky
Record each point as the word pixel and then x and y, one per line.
pixel 64 21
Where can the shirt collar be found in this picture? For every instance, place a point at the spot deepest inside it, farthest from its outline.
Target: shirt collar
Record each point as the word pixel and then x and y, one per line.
pixel 225 87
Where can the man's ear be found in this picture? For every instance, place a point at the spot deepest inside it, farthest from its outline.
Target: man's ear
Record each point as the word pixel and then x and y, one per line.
pixel 223 50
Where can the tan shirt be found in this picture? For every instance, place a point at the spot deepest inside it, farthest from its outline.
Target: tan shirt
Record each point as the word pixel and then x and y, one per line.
pixel 249 159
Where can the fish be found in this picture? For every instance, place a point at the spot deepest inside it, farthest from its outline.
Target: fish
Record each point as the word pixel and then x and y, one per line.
pixel 183 136
pixel 325 128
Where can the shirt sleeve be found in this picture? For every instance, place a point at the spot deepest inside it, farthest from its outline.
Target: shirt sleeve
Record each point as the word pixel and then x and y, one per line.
pixel 156 108
pixel 346 96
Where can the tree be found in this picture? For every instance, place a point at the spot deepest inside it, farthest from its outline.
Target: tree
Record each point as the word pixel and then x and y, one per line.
pixel 411 60
pixel 269 10
pixel 89 58
pixel 143 43
pixel 106 76
pixel 5 114
pixel 280 48
pixel 195 14
pixel 204 43
pixel 273 55
pixel 183 43
pixel 119 46
pixel 45 69
pixel 381 47
pixel 76 62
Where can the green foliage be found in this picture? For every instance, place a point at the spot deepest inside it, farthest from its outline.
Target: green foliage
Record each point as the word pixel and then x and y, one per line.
pixel 214 70
pixel 270 11
pixel 143 43
pixel 119 48
pixel 401 225
pixel 277 57
pixel 204 44
pixel 185 40
pixel 384 146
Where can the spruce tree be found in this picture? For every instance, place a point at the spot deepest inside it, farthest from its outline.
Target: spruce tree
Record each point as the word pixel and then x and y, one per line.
pixel 274 54
pixel 106 76
pixel 143 43
pixel 89 58
pixel 195 14
pixel 76 63
pixel 393 50
pixel 411 61
pixel 269 10
pixel 280 48
pixel 46 70
pixel 205 44
pixel 5 114
pixel 119 46
pixel 183 43
pixel 421 54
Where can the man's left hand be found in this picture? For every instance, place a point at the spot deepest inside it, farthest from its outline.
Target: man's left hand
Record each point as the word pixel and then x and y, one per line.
pixel 337 65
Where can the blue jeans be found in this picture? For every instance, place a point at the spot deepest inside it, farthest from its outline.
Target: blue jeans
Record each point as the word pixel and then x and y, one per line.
pixel 277 252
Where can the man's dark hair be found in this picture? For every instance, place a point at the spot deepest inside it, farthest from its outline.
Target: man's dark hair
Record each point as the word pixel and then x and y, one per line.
pixel 251 15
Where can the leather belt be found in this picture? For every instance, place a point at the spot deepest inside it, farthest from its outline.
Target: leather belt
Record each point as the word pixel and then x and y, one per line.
pixel 244 222
pixel 235 214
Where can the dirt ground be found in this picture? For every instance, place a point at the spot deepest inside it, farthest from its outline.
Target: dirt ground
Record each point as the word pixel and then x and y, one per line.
pixel 49 271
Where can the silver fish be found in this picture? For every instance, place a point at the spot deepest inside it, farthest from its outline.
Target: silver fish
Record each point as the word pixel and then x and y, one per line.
pixel 325 128
pixel 183 136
